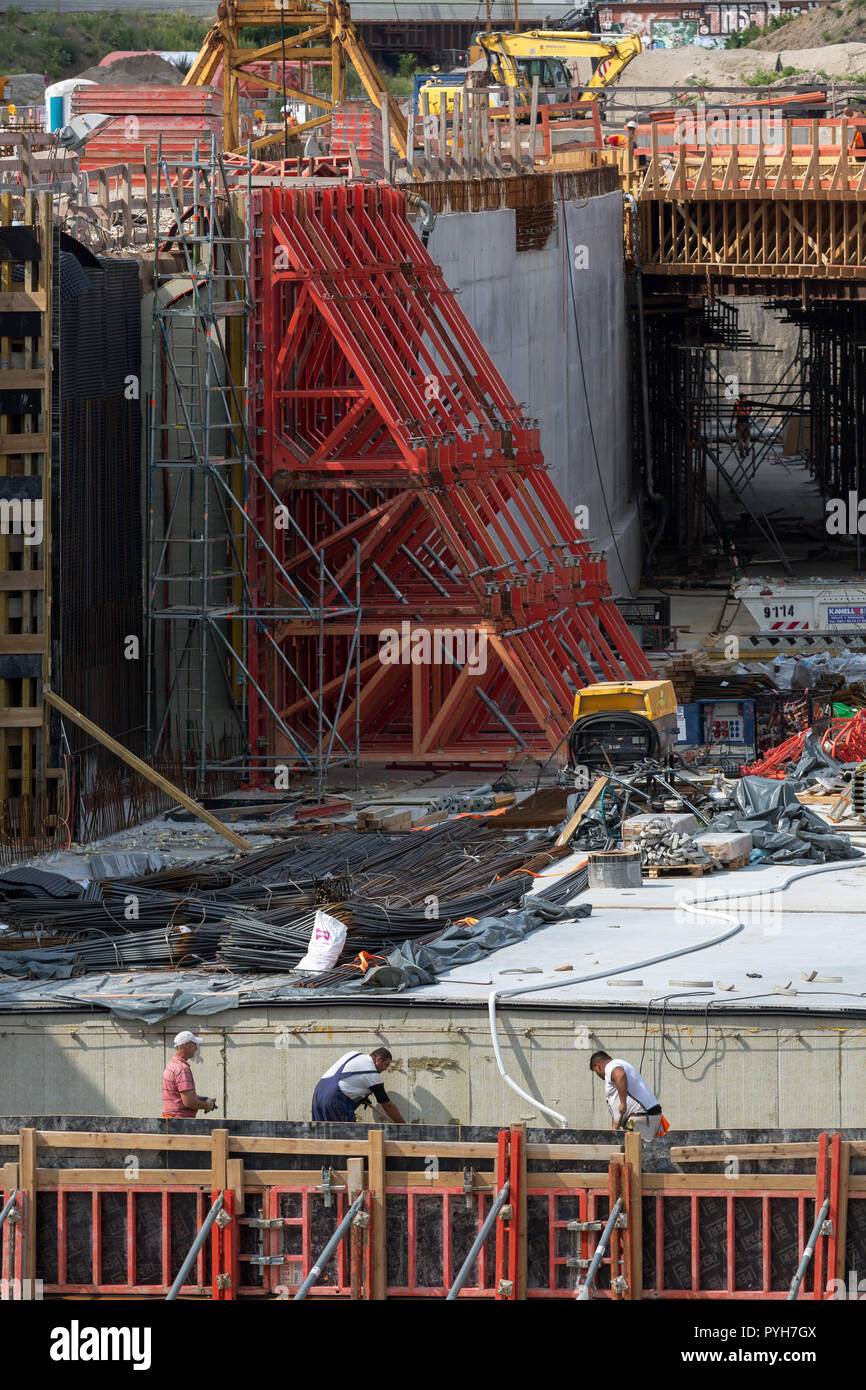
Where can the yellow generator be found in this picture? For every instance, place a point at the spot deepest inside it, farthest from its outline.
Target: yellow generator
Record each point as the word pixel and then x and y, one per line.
pixel 622 723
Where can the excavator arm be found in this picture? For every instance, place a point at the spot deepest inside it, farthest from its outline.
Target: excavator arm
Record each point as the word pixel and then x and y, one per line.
pixel 505 51
pixel 624 50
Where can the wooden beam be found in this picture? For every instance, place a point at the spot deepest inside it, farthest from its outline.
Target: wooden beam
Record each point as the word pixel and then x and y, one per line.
pixel 21 581
pixel 719 1182
pixel 16 717
pixel 142 767
pixel 577 816
pixel 119 1177
pixel 235 1180
pixel 80 1139
pixel 378 1244
pixel 219 1159
pixel 22 443
pixel 19 302
pixel 15 643
pixel 718 1153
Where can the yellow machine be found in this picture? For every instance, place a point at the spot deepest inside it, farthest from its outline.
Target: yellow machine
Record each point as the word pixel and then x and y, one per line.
pixel 620 724
pixel 514 59
pixel 325 31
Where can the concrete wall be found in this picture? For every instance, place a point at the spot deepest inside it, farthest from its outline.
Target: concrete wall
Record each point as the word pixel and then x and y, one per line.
pixel 263 1064
pixel 538 321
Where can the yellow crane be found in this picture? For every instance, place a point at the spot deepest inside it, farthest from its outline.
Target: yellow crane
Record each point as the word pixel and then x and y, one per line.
pixel 304 31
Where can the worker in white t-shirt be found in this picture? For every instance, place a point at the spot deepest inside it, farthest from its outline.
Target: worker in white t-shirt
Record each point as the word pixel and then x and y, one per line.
pixel 349 1083
pixel 630 1100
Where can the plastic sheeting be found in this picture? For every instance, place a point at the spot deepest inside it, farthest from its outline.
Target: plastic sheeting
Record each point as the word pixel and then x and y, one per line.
pixel 785 831
pixel 414 964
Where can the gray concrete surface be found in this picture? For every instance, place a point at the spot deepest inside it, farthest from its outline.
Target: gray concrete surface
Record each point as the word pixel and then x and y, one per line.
pixel 538 321
pixel 262 1064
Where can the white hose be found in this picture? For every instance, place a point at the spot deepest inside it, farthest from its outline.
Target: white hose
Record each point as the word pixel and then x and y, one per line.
pixel 690 905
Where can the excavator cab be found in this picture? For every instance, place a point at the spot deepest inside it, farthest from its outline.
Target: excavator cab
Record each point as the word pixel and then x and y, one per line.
pixel 554 79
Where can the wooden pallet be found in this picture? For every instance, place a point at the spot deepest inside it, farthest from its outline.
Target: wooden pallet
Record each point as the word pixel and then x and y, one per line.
pixel 693 870
pixel 677 870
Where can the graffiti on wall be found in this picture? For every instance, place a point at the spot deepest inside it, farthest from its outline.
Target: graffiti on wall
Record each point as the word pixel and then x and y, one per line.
pixel 675 25
pixel 673 33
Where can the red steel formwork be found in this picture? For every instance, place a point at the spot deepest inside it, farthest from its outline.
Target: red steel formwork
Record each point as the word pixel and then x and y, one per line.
pixel 397 449
pixel 685 1235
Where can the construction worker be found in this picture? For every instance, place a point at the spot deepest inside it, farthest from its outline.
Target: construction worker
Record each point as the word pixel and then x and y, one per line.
pixel 742 425
pixel 350 1082
pixel 180 1100
pixel 630 1100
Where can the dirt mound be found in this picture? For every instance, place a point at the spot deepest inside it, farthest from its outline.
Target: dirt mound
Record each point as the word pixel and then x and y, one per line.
pixel 842 23
pixel 676 68
pixel 144 70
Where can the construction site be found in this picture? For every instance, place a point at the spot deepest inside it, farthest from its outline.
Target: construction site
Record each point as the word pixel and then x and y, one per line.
pixel 433 652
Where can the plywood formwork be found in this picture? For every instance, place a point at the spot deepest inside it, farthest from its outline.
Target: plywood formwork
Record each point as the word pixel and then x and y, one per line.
pixel 762 213
pixel 398 451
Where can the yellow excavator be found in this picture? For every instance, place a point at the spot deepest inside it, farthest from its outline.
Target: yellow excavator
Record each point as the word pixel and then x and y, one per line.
pixel 515 59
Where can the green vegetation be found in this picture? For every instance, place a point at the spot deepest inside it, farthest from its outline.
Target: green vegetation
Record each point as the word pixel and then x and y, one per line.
pixel 743 37
pixel 65 46
pixel 765 77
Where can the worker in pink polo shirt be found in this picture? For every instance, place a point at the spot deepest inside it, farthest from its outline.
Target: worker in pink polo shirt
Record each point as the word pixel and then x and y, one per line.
pixel 180 1100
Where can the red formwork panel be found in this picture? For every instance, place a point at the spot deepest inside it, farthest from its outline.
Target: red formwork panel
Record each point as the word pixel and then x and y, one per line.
pixel 706 1244
pixel 396 448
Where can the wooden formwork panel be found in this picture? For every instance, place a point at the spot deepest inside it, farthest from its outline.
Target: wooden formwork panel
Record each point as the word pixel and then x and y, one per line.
pixel 25 489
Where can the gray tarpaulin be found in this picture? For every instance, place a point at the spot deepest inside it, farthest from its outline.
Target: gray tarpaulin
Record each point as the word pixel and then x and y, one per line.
pixel 786 831
pixel 413 964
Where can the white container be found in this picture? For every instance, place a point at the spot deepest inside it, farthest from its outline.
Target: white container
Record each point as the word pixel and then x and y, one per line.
pixel 804 607
pixel 63 90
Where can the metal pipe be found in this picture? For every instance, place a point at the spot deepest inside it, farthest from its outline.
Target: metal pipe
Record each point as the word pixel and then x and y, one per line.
pixel 808 1253
pixel 478 1242
pixel 329 1249
pixel 194 1248
pixel 10 1204
pixel 583 1290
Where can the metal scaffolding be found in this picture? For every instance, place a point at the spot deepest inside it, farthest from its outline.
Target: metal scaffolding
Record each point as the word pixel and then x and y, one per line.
pixel 204 525
pixel 697 469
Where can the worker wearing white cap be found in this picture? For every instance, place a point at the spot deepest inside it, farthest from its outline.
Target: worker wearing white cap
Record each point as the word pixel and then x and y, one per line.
pixel 180 1100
